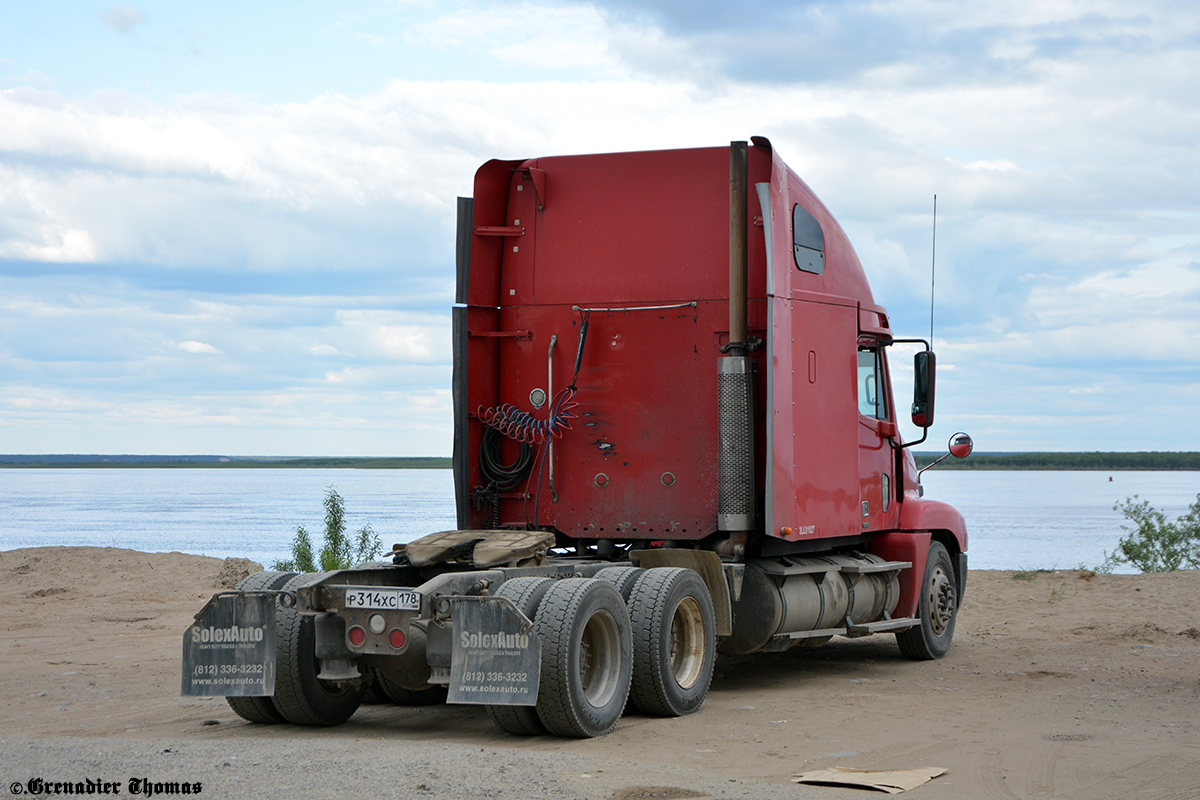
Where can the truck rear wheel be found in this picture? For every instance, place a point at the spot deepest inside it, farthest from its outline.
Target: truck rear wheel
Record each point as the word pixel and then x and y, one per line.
pixel 375 695
pixel 586 657
pixel 526 594
pixel 259 709
pixel 393 692
pixel 674 642
pixel 622 578
pixel 303 699
pixel 937 609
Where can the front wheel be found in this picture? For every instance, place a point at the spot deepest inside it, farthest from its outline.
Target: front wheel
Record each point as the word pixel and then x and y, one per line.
pixel 674 646
pixel 937 609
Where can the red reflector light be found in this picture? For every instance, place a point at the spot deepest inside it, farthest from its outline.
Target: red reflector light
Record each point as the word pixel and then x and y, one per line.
pixel 396 637
pixel 357 636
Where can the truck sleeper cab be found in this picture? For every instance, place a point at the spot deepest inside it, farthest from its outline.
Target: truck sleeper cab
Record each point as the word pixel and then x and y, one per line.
pixel 674 434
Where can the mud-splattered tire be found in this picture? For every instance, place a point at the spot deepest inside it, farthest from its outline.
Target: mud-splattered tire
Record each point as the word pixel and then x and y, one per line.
pixel 937 609
pixel 674 641
pixel 526 594
pixel 395 693
pixel 259 709
pixel 622 578
pixel 301 698
pixel 586 657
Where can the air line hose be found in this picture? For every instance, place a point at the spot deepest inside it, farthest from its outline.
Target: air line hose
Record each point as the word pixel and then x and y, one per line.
pixel 528 429
pixel 523 427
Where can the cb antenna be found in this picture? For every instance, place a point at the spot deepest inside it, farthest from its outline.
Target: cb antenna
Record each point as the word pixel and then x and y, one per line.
pixel 932 271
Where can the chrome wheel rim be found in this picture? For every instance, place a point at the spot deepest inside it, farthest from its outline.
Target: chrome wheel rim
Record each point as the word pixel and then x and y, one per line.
pixel 600 658
pixel 941 600
pixel 687 643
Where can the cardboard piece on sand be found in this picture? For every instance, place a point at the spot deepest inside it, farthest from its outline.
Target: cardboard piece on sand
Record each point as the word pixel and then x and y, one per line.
pixel 890 781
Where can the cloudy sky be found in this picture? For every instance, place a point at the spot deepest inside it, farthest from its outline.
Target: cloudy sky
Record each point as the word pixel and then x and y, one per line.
pixel 229 227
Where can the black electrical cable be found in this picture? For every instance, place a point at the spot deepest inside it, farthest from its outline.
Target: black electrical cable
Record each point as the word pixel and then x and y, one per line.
pixel 583 328
pixel 505 476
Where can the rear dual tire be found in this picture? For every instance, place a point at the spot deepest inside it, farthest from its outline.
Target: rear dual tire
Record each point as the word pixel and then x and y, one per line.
pixel 259 709
pixel 674 642
pixel 586 657
pixel 393 692
pixel 526 594
pixel 622 579
pixel 300 696
pixel 645 635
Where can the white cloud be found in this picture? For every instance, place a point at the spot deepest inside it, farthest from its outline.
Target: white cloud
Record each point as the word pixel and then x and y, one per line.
pixel 122 18
pixel 329 421
pixel 370 38
pixel 31 229
pixel 539 36
pixel 1063 156
pixel 196 347
pixel 396 336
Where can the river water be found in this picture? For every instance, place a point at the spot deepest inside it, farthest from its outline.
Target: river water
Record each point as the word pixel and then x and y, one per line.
pixel 1016 520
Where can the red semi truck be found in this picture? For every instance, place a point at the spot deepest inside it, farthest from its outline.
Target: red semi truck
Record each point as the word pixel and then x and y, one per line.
pixel 674 436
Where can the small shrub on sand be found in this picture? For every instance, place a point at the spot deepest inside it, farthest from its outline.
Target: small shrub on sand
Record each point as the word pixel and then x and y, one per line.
pixel 337 551
pixel 1153 543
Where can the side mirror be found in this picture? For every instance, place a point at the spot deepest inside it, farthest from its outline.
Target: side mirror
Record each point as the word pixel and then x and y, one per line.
pixel 925 369
pixel 961 445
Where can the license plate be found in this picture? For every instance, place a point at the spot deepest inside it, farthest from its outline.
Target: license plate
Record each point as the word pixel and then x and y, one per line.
pixel 384 599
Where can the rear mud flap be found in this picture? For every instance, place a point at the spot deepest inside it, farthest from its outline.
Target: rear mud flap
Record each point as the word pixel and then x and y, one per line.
pixel 497 656
pixel 230 649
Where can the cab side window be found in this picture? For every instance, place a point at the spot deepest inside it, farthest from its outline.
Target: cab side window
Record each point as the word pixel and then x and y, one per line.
pixel 872 388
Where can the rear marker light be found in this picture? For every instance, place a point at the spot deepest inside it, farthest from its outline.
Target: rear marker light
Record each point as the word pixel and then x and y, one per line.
pixel 396 638
pixel 357 636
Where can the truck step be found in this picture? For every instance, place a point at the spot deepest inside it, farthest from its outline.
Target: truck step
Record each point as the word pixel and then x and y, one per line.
pixel 850 630
pixel 882 626
pixel 885 566
pixel 817 634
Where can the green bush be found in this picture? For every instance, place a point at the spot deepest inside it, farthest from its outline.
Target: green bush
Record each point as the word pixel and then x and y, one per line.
pixel 337 552
pixel 1153 544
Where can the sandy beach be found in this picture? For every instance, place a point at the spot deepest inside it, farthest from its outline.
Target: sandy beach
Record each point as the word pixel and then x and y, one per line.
pixel 1059 685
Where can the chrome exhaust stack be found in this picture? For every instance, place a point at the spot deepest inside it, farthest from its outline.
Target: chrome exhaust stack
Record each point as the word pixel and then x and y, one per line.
pixel 735 400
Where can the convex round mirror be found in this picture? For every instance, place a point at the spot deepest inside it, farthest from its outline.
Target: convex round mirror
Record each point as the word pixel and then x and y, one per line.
pixel 961 445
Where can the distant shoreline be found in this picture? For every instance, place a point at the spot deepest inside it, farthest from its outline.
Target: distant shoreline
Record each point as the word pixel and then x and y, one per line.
pixel 1095 461
pixel 218 462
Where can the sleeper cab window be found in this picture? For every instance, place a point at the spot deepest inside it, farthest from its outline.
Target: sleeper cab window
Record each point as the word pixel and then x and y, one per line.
pixel 808 243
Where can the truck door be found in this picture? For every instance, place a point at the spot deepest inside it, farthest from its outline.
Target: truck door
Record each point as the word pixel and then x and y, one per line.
pixel 814 476
pixel 876 437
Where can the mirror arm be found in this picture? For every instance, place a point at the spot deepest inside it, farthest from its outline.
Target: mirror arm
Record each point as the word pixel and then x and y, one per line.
pixel 924 431
pixel 929 466
pixel 911 341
